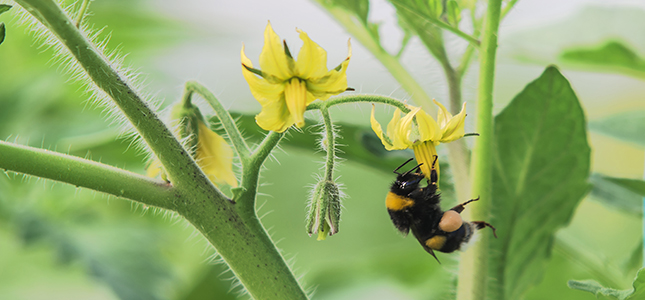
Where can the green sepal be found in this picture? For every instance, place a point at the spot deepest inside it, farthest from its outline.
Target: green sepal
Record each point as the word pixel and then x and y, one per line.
pixel 454 13
pixel 2 33
pixel 237 192
pixel 324 210
pixel 188 118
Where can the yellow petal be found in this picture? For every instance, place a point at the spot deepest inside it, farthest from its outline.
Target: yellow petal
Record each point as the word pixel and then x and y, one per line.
pixel 392 127
pixel 428 128
pixel 261 89
pixel 215 157
pixel 295 94
pixel 404 128
pixel 454 129
pixel 376 127
pixel 274 116
pixel 331 83
pixel 443 116
pixel 312 59
pixel 154 168
pixel 273 59
pixel 425 153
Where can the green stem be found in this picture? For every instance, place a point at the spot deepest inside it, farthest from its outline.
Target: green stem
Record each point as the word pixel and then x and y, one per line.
pixel 331 144
pixel 466 58
pixel 359 98
pixel 390 62
pixel 179 165
pixel 250 175
pixel 222 114
pixel 85 173
pixel 508 7
pixel 473 282
pixel 239 239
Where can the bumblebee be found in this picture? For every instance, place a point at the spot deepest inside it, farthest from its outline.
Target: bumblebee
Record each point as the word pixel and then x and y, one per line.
pixel 416 208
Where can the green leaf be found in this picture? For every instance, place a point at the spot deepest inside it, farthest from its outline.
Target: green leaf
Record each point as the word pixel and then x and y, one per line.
pixel 4 8
pixel 2 33
pixel 634 185
pixel 454 13
pixel 635 260
pixel 620 193
pixel 636 293
pixel 612 56
pixel 360 8
pixel 627 126
pixel 127 260
pixel 541 168
pixel 435 8
pixel 421 18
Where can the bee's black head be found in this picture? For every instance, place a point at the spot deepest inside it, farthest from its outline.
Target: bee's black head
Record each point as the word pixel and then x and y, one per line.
pixel 408 181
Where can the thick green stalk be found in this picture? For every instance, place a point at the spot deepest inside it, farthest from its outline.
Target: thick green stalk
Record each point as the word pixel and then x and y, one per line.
pixel 473 281
pixel 247 250
pixel 391 62
pixel 246 194
pixel 178 163
pixel 85 173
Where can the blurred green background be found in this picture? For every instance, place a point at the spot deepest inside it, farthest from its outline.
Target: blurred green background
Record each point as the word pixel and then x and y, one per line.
pixel 60 242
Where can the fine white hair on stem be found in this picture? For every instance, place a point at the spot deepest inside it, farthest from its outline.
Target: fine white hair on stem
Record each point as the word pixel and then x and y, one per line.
pixel 67 63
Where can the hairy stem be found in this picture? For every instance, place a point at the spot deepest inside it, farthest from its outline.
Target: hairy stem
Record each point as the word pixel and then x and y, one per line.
pixel 248 190
pixel 473 282
pixel 85 173
pixel 222 114
pixel 360 98
pixel 176 160
pixel 237 237
pixel 331 144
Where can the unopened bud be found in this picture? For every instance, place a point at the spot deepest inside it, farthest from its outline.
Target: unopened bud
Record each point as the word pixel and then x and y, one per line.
pixel 324 210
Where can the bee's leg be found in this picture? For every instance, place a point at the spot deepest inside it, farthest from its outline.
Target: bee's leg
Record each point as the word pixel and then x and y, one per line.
pixel 482 224
pixel 434 177
pixel 459 208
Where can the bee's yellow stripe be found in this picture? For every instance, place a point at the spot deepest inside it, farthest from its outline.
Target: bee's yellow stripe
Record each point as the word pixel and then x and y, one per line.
pixel 436 242
pixel 396 202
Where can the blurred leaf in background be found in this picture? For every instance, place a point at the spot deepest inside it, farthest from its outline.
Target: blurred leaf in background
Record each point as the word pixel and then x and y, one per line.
pixel 369 260
pixel 636 293
pixel 613 56
pixel 627 126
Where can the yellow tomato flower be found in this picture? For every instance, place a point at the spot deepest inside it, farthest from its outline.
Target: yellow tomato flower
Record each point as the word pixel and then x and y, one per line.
pixel 285 86
pixel 215 156
pixel 420 132
pixel 211 152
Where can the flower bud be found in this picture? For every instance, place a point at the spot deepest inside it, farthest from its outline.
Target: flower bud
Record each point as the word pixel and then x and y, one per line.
pixel 210 150
pixel 324 209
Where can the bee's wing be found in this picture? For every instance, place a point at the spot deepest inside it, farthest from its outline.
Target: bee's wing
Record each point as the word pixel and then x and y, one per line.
pixel 422 241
